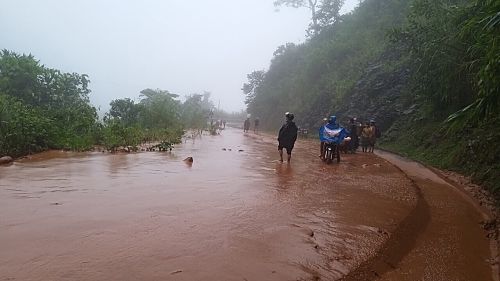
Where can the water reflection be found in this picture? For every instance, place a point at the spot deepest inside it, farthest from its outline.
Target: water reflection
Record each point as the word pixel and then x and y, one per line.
pixel 285 174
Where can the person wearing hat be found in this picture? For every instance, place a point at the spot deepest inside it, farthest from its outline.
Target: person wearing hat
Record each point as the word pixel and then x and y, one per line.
pixel 287 136
pixel 322 144
pixel 331 124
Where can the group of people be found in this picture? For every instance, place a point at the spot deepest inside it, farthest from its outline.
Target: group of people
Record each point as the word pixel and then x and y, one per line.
pixel 358 134
pixel 246 125
pixel 216 126
pixel 364 135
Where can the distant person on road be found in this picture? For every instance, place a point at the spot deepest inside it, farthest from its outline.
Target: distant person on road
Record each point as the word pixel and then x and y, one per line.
pixel 287 136
pixel 224 123
pixel 375 134
pixel 256 125
pixel 366 137
pixel 353 129
pixel 246 125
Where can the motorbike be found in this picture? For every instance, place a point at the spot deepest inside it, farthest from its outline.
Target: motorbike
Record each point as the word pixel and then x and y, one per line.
pixel 332 138
pixel 331 152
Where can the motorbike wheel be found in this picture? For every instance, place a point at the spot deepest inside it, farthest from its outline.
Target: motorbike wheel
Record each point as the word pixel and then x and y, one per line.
pixel 329 156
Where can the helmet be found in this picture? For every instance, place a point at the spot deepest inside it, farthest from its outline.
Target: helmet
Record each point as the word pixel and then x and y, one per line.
pixel 289 116
pixel 333 119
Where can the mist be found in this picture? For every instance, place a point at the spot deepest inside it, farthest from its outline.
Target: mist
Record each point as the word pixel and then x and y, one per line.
pixel 184 47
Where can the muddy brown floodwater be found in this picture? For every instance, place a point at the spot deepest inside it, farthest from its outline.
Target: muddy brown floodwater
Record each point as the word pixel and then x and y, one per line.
pixel 234 214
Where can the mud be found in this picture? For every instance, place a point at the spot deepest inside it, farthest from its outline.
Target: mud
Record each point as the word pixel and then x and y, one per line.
pixel 233 214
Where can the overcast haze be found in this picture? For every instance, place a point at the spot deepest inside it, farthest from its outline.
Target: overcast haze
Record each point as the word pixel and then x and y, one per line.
pixel 177 45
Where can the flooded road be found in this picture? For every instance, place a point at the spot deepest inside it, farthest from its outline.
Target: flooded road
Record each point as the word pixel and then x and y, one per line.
pixel 234 214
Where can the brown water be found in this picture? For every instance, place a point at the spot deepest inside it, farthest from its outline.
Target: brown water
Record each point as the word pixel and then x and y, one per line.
pixel 231 215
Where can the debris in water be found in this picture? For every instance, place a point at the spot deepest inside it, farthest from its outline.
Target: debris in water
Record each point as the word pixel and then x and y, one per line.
pixel 364 166
pixel 189 160
pixel 175 272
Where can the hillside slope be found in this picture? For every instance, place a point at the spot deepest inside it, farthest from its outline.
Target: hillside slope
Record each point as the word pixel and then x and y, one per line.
pixel 427 71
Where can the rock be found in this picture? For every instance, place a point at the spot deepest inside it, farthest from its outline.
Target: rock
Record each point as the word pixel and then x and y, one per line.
pixel 6 160
pixel 176 271
pixel 224 149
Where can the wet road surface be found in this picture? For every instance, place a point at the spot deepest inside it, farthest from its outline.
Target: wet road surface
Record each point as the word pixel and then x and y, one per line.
pixel 234 214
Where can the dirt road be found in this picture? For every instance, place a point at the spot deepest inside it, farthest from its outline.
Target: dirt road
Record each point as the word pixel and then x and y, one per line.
pixel 236 213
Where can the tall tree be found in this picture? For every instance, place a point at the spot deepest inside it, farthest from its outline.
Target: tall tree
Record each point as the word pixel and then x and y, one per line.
pixel 161 109
pixel 125 110
pixel 323 12
pixel 251 88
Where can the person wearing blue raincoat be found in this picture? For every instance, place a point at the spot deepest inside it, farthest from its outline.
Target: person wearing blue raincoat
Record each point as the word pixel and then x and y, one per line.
pixel 331 133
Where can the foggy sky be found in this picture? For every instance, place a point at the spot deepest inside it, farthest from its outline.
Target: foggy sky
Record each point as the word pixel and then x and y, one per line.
pixel 176 45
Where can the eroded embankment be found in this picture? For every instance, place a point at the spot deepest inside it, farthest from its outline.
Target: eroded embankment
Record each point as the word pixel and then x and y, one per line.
pixel 441 239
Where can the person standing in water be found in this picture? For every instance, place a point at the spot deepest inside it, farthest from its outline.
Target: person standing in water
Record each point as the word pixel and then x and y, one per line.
pixel 246 125
pixel 366 137
pixel 375 134
pixel 287 136
pixel 256 125
pixel 353 129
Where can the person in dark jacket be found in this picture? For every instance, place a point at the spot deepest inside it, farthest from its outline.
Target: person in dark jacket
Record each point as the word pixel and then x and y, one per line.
pixel 246 125
pixel 256 125
pixel 287 136
pixel 353 130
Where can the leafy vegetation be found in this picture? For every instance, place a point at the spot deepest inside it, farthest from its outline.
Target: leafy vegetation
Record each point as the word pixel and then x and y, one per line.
pixel 324 13
pixel 427 70
pixel 312 79
pixel 43 108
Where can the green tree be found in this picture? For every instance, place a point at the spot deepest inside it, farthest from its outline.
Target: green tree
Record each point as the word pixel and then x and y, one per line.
pixel 125 110
pixel 323 12
pixel 61 98
pixel 250 89
pixel 23 129
pixel 160 109
pixel 196 110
